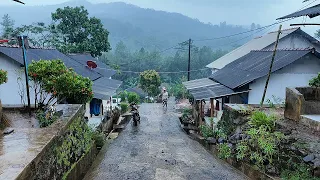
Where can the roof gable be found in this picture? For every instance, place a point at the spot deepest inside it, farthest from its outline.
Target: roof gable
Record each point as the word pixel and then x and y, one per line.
pixel 255 44
pixel 312 12
pixel 37 54
pixel 254 65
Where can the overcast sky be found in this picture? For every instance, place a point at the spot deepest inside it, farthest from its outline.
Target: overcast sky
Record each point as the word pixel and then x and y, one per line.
pixel 263 12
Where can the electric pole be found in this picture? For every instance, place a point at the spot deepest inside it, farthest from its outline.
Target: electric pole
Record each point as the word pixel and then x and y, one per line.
pixel 270 69
pixel 189 59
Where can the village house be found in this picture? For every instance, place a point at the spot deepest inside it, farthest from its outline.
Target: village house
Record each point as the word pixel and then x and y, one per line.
pixel 240 76
pixel 13 93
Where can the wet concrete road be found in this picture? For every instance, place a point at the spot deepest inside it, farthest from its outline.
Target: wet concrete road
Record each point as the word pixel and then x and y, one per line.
pixel 158 149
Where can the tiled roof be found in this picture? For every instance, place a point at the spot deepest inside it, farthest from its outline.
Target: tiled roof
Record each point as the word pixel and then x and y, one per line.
pixel 37 54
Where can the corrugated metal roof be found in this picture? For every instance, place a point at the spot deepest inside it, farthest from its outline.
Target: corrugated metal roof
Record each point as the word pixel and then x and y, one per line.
pixel 102 68
pixel 104 88
pixel 206 88
pixel 311 12
pixel 48 54
pixel 254 65
pixel 197 83
pixel 255 44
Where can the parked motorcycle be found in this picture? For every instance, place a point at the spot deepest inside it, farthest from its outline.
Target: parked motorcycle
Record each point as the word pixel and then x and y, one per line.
pixel 135 114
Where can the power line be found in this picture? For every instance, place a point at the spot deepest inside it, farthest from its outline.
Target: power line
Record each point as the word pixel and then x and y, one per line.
pixel 237 34
pixel 216 38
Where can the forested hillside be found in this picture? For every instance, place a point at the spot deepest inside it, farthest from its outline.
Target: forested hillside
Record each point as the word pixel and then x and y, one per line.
pixel 138 27
pixel 140 39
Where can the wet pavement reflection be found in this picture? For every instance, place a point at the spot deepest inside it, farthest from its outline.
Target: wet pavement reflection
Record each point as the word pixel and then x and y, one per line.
pixel 158 149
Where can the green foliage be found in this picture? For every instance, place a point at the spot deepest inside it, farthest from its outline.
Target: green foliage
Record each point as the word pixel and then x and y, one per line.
pixel 3 76
pixel 77 32
pixel 76 142
pixel 299 172
pixel 315 82
pixel 220 134
pixel 259 118
pixel 242 150
pixel 186 112
pixel 124 107
pixel 206 131
pixel 39 34
pixel 7 27
pixel 224 151
pixel 179 91
pixel 123 96
pixel 133 98
pixel 45 119
pixel 99 138
pixel 150 82
pixel 53 77
pixel 264 145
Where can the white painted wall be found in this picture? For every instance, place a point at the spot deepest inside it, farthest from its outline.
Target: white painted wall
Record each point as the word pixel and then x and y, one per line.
pixel 297 74
pixel 11 92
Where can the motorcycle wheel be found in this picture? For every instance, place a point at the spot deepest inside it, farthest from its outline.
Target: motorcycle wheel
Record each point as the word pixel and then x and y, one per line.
pixel 135 122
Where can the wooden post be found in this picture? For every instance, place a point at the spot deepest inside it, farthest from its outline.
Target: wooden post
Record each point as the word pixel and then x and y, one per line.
pixel 270 69
pixel 212 107
pixel 200 119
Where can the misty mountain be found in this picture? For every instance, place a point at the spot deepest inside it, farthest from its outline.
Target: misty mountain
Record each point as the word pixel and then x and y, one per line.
pixel 139 27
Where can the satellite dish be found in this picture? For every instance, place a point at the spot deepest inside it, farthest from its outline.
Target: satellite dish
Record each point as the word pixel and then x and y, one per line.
pixel 92 64
pixel 4 40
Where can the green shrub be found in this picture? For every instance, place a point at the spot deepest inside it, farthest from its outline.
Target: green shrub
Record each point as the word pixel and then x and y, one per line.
pixel 3 76
pixel 206 131
pixel 124 107
pixel 133 98
pixel 300 171
pixel 224 151
pixel 259 118
pixel 315 82
pixel 186 112
pixel 44 119
pixel 98 137
pixel 123 96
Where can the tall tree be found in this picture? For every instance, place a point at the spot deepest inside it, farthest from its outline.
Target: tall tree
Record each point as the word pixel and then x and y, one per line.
pixel 7 26
pixel 150 82
pixel 75 32
pixel 39 34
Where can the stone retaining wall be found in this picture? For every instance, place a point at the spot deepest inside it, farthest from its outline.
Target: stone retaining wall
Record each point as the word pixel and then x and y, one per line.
pixel 80 168
pixel 301 101
pixel 45 165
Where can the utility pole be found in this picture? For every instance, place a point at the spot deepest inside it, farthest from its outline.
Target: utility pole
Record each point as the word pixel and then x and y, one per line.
pixel 270 70
pixel 23 42
pixel 189 59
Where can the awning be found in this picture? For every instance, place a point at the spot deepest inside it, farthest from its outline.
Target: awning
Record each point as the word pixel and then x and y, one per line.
pixel 311 12
pixel 208 89
pixel 104 88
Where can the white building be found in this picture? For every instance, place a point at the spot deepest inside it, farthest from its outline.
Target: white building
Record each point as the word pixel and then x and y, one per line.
pixel 13 93
pixel 240 76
